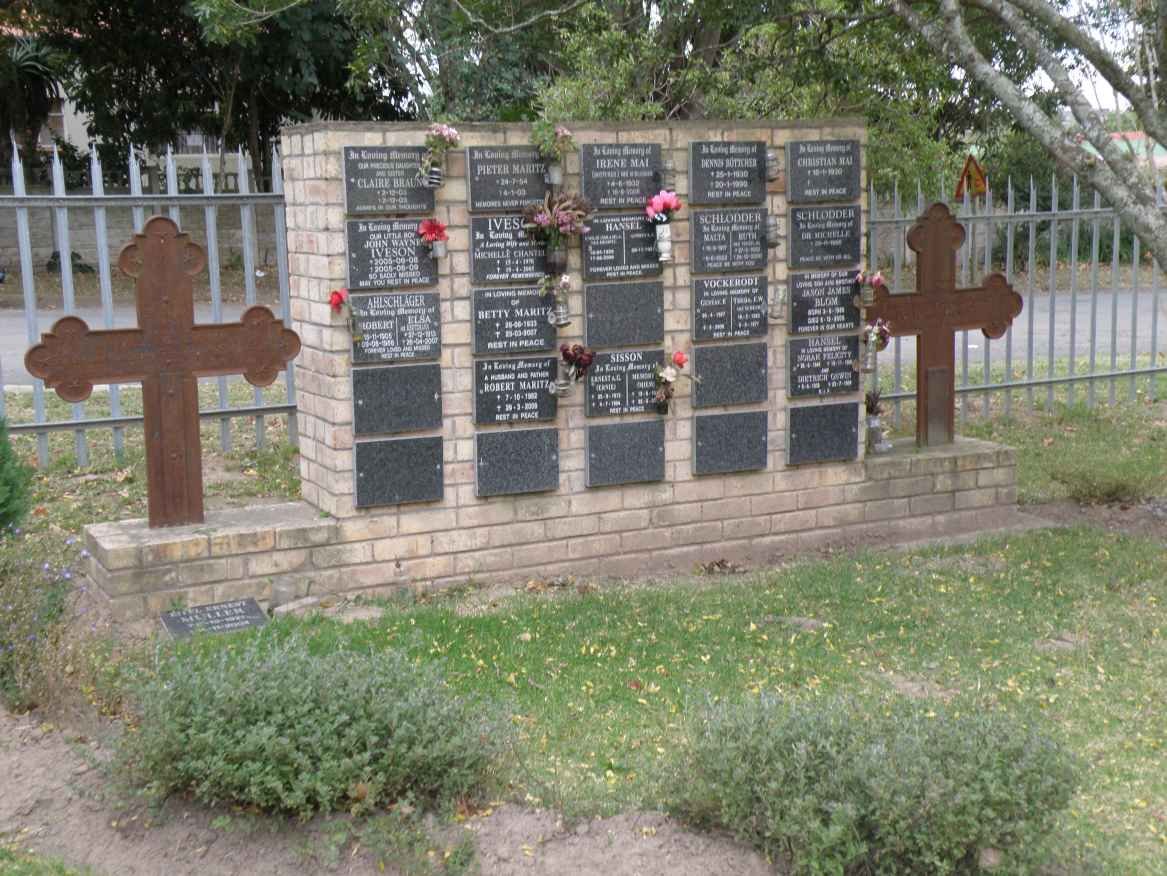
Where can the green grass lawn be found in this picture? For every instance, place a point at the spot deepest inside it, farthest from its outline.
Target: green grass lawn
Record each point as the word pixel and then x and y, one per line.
pixel 17 863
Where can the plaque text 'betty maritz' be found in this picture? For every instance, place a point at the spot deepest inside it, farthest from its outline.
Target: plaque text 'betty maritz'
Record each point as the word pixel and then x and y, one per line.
pixel 727 172
pixel 384 179
pixel 501 251
pixel 822 170
pixel 729 307
pixel 623 383
pixel 505 177
pixel 822 237
pixel 619 175
pixel 822 301
pixel 387 254
pixel 620 248
pixel 822 366
pixel 514 390
pixel 396 327
pixel 728 240
pixel 512 320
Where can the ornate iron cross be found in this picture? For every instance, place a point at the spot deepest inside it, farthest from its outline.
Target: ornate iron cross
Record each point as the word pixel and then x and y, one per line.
pixel 167 353
pixel 935 312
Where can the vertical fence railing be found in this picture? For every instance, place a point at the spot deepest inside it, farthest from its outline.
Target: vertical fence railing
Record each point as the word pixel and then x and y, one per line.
pixel 38 210
pixel 1070 335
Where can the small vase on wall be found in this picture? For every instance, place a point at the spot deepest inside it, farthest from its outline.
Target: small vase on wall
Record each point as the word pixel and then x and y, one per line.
pixel 556 259
pixel 559 315
pixel 439 249
pixel 554 173
pixel 664 242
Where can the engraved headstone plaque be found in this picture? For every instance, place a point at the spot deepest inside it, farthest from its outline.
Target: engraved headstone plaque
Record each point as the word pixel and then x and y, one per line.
pixel 501 251
pixel 822 301
pixel 219 617
pixel 512 320
pixel 504 177
pixel 516 461
pixel 618 175
pixel 387 254
pixel 728 240
pixel 396 327
pixel 620 248
pixel 727 172
pixel 625 453
pixel 824 236
pixel 398 470
pixel 623 382
pixel 514 390
pixel 822 433
pixel 729 307
pixel 400 398
pixel 624 314
pixel 729 374
pixel 384 179
pixel 724 443
pixel 822 366
pixel 822 170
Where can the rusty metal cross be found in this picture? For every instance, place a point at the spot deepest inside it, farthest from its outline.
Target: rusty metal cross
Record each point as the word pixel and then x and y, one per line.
pixel 167 353
pixel 935 312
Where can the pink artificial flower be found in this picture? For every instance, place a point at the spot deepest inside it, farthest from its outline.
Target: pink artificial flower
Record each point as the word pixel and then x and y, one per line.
pixel 670 203
pixel 432 231
pixel 542 219
pixel 860 278
pixel 877 279
pixel 337 299
pixel 679 359
pixel 561 132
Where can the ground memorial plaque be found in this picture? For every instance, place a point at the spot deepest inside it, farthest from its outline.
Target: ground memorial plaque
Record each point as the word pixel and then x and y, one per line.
pixel 387 254
pixel 822 366
pixel 395 327
pixel 729 374
pixel 620 248
pixel 729 307
pixel 384 179
pixel 516 461
pixel 514 390
pixel 623 383
pixel 823 237
pixel 727 172
pixel 398 470
pixel 218 617
pixel 505 177
pixel 724 443
pixel 400 398
pixel 822 170
pixel 618 175
pixel 823 301
pixel 625 453
pixel 624 314
pixel 502 252
pixel 512 320
pixel 728 240
pixel 822 433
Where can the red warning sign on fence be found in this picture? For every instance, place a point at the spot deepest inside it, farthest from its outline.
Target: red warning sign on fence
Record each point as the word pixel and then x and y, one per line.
pixel 973 176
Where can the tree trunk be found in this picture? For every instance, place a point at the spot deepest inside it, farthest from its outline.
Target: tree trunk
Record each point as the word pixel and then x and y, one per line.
pixel 253 139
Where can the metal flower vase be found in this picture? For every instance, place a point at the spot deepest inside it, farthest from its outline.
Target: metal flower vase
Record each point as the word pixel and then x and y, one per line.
pixel 559 315
pixel 876 438
pixel 564 378
pixel 869 354
pixel 556 262
pixel 664 242
pixel 435 175
pixel 554 173
pixel 439 249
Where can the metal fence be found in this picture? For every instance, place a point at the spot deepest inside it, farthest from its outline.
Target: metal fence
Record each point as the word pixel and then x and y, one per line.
pixel 207 205
pixel 1090 327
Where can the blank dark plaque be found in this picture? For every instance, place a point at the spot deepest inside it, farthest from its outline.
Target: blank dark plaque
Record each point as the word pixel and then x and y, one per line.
pixel 822 237
pixel 729 307
pixel 727 172
pixel 398 470
pixel 728 240
pixel 618 175
pixel 384 179
pixel 622 382
pixel 516 461
pixel 501 251
pixel 620 247
pixel 512 320
pixel 624 314
pixel 504 177
pixel 219 617
pixel 822 366
pixel 729 374
pixel 625 453
pixel 730 442
pixel 387 254
pixel 822 301
pixel 401 398
pixel 822 170
pixel 514 390
pixel 396 327
pixel 822 433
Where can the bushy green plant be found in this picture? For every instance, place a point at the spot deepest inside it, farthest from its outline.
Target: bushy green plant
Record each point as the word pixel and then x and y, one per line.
pixel 263 721
pixel 15 478
pixel 837 788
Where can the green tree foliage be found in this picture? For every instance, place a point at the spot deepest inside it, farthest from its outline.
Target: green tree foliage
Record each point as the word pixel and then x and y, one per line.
pixel 28 86
pixel 15 478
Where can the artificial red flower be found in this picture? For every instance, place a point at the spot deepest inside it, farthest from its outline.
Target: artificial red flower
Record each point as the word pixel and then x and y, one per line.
pixel 679 359
pixel 432 231
pixel 338 299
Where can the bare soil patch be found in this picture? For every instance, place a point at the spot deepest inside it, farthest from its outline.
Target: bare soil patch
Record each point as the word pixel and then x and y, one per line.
pixel 1146 519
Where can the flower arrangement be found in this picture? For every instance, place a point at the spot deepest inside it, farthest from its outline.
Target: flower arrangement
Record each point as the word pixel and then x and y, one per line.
pixel 557 219
pixel 439 140
pixel 574 362
pixel 877 333
pixel 557 288
pixel 864 285
pixel 872 404
pixel 666 380
pixel 433 233
pixel 555 143
pixel 338 301
pixel 661 207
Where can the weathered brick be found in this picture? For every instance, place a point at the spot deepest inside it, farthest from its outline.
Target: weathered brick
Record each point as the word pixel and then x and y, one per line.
pixel 619 521
pixel 403 547
pixel 820 497
pixel 483 561
pixel 839 515
pixel 936 504
pixel 996 477
pixel 594 546
pixel 983 498
pixel 773 503
pixel 886 509
pixel 276 562
pixel 342 554
pixel 745 527
pixel 176 550
pixel 230 543
pixel 672 515
pixel 917 486
pixel 720 509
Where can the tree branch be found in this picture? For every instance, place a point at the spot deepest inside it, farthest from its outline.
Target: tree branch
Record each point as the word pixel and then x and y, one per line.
pixel 474 18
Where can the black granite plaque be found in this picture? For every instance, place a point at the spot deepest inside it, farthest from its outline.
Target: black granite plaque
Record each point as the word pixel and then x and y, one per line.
pixel 403 398
pixel 383 179
pixel 512 320
pixel 398 470
pixel 729 374
pixel 516 461
pixel 824 236
pixel 822 433
pixel 822 301
pixel 822 170
pixel 514 390
pixel 396 327
pixel 727 172
pixel 620 248
pixel 501 252
pixel 822 366
pixel 729 307
pixel 387 254
pixel 730 442
pixel 728 240
pixel 625 453
pixel 505 177
pixel 623 382
pixel 617 175
pixel 219 617
pixel 624 314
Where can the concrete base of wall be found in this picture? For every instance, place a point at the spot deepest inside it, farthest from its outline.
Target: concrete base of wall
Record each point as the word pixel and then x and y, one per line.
pixel 903 496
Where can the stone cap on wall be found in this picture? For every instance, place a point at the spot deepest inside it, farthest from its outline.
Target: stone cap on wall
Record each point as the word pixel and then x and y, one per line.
pixel 684 125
